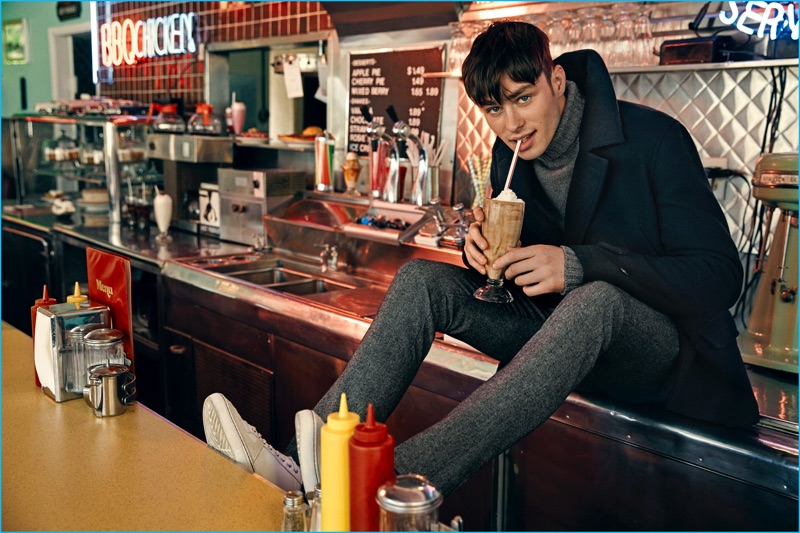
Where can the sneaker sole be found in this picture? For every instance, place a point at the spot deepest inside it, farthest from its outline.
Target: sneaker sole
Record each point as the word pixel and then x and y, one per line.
pixel 307 428
pixel 218 424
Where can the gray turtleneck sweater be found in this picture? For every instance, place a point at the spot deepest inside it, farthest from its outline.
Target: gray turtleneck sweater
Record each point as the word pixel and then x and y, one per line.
pixel 554 171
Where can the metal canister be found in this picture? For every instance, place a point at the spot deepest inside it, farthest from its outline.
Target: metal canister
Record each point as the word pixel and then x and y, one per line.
pixel 409 503
pixel 110 390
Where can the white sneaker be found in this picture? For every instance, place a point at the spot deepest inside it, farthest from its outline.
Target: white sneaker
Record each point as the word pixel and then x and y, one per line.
pixel 307 424
pixel 228 433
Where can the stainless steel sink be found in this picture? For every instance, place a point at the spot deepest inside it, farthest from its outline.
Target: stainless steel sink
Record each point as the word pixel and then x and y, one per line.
pixel 309 286
pixel 280 274
pixel 339 290
pixel 229 264
pixel 267 276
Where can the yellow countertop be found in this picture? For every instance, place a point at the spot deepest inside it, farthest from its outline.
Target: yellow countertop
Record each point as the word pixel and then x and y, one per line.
pixel 65 469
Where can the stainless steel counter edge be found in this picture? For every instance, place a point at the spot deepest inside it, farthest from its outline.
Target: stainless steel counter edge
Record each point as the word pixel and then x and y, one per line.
pixel 119 240
pixel 27 223
pixel 323 317
pixel 760 456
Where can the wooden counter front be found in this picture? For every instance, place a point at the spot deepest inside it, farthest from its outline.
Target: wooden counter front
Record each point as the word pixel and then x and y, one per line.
pixel 65 469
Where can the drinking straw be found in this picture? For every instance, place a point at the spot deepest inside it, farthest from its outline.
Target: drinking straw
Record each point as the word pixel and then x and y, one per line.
pixel 440 153
pixel 513 164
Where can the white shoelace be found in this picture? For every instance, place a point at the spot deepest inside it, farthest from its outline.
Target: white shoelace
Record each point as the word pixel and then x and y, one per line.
pixel 283 458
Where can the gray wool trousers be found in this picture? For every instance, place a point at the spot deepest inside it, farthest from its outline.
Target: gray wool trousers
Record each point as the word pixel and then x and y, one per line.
pixel 598 337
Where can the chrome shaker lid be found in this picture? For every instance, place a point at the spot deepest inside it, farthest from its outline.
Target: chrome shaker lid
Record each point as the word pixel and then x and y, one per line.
pixel 293 498
pixel 103 337
pixel 408 494
pixel 78 332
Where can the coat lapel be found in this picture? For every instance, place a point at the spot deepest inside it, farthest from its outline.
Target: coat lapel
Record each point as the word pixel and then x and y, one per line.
pixel 600 126
pixel 588 178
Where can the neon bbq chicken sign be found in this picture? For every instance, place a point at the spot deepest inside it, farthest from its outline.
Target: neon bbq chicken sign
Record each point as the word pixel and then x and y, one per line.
pixel 129 41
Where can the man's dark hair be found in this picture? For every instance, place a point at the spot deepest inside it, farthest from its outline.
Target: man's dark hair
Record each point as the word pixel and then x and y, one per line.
pixel 516 49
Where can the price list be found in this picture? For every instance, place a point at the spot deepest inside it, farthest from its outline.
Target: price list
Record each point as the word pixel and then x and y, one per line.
pixel 382 79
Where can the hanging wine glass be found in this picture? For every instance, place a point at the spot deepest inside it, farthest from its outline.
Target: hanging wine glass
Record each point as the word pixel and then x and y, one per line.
pixel 554 27
pixel 644 53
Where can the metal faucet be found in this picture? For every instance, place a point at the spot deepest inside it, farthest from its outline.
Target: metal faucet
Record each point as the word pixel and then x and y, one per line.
pixel 329 258
pixel 420 195
pixel 460 225
pixel 377 133
pixel 258 243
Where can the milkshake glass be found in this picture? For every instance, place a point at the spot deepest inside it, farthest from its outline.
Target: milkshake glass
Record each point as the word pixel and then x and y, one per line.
pixel 501 228
pixel 351 170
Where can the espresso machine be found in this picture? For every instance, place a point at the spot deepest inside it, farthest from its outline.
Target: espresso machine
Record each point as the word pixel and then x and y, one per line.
pixel 770 339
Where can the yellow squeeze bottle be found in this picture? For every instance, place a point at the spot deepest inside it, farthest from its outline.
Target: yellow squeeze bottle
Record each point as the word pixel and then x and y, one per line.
pixel 77 298
pixel 335 467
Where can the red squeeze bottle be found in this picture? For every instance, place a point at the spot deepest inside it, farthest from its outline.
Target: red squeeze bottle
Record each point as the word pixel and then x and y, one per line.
pixel 45 301
pixel 371 465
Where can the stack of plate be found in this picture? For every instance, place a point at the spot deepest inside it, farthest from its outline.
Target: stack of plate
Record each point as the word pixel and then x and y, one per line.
pixel 95 214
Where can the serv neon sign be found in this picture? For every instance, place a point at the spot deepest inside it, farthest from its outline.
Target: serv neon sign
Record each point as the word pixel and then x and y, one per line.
pixel 129 41
pixel 771 16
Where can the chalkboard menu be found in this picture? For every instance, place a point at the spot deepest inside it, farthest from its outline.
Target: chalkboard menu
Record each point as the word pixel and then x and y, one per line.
pixel 395 78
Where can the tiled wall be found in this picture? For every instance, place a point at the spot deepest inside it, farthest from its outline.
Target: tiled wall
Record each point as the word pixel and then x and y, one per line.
pixel 218 22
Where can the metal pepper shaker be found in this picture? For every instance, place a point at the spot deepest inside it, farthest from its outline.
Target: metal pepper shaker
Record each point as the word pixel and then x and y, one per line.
pixel 294 512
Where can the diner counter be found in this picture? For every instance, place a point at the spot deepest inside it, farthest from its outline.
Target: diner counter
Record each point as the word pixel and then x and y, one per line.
pixel 66 470
pixel 120 239
pixel 775 391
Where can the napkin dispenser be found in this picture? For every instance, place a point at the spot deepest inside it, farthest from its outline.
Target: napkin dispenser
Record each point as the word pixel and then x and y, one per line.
pixel 52 349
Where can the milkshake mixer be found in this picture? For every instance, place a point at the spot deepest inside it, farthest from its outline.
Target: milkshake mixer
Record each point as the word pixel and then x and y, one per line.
pixel 770 339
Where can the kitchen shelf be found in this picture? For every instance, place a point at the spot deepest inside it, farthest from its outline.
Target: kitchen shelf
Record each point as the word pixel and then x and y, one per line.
pixel 278 145
pixel 728 65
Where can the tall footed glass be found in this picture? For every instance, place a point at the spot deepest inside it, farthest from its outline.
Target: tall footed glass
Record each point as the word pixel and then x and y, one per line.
pixel 502 225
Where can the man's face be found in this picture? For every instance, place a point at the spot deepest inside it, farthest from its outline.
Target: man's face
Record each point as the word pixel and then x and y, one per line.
pixel 530 112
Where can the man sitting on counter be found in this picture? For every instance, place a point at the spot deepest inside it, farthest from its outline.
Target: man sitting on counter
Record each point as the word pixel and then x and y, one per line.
pixel 622 279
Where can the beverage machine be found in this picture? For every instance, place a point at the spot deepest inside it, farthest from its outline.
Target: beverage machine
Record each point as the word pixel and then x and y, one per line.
pixel 770 339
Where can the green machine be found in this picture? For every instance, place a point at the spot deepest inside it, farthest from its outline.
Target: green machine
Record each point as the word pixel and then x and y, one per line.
pixel 770 339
